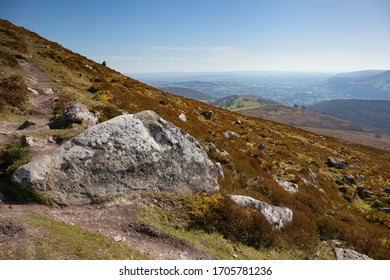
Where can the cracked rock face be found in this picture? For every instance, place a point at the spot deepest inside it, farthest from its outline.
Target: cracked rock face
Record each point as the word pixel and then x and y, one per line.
pixel 122 156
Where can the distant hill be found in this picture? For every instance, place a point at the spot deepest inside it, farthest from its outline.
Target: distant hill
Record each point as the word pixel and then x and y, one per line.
pixel 369 84
pixel 257 106
pixel 373 113
pixel 187 92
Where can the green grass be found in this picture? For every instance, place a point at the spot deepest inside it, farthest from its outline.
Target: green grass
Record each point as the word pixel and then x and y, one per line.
pixel 53 240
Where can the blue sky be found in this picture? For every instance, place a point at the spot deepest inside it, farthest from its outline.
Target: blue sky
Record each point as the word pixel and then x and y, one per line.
pixel 215 35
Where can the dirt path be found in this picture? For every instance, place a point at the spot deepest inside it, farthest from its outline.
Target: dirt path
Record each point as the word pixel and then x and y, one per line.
pixel 39 105
pixel 118 222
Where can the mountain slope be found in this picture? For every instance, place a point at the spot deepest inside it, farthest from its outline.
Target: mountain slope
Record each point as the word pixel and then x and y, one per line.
pixel 372 113
pixel 260 156
pixel 187 92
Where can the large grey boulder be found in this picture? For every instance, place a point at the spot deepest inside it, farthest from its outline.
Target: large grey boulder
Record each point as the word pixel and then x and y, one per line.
pixel 122 156
pixel 275 215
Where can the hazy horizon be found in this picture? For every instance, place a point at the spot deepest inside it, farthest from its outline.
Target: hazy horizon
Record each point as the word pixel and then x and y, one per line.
pixel 151 36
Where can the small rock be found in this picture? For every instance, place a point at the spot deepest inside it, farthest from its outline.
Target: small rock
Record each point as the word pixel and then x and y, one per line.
pixel 33 91
pixel 387 190
pixel 275 131
pixel 74 113
pixel 349 179
pixel 221 175
pixel 261 147
pixel 255 181
pixel 360 191
pixel 386 209
pixel 33 142
pixel 238 122
pixel 23 56
pixel 336 162
pixel 118 238
pixel 90 67
pixel 183 117
pixel 275 215
pixel 360 176
pixel 208 114
pixel 377 204
pixel 26 124
pixel 210 146
pixel 230 134
pixel 223 153
pixel 348 254
pixel 287 186
pixel 47 91
pixel 312 175
pixel 343 189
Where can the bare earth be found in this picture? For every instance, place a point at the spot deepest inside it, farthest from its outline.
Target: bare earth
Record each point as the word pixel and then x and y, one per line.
pixel 116 221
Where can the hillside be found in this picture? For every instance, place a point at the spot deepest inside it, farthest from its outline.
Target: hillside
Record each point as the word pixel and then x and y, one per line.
pixel 330 189
pixel 256 106
pixel 371 85
pixel 187 92
pixel 372 113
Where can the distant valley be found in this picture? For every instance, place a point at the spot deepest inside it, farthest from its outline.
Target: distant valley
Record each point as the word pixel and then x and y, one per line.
pixel 288 88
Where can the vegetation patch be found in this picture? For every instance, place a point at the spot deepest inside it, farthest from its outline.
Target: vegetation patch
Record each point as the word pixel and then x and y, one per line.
pixel 54 240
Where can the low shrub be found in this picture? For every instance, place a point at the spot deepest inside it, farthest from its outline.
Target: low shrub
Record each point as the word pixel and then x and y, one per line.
pixel 13 92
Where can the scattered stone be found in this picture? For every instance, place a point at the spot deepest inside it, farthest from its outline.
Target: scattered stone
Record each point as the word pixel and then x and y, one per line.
pixel 118 158
pixel 33 91
pixel 312 175
pixel 349 179
pixel 221 175
pixel 310 184
pixel 223 153
pixel 183 117
pixel 26 124
pixel 33 142
pixel 349 254
pixel 287 186
pixel 47 91
pixel 255 181
pixel 90 68
pixel 210 146
pixel 261 147
pixel 74 113
pixel 23 56
pixel 275 131
pixel 275 215
pixel 387 190
pixel 343 189
pixel 386 209
pixel 360 191
pixel 238 122
pixel 336 162
pixel 353 166
pixel 208 114
pixel 119 238
pixel 360 176
pixel 377 204
pixel 230 134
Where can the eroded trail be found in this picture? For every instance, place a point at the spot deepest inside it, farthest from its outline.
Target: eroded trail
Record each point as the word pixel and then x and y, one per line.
pixel 118 221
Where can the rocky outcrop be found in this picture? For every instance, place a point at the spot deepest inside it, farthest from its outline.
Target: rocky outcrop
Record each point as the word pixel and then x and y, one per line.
pixel 276 216
pixel 125 155
pixel 349 254
pixel 74 113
